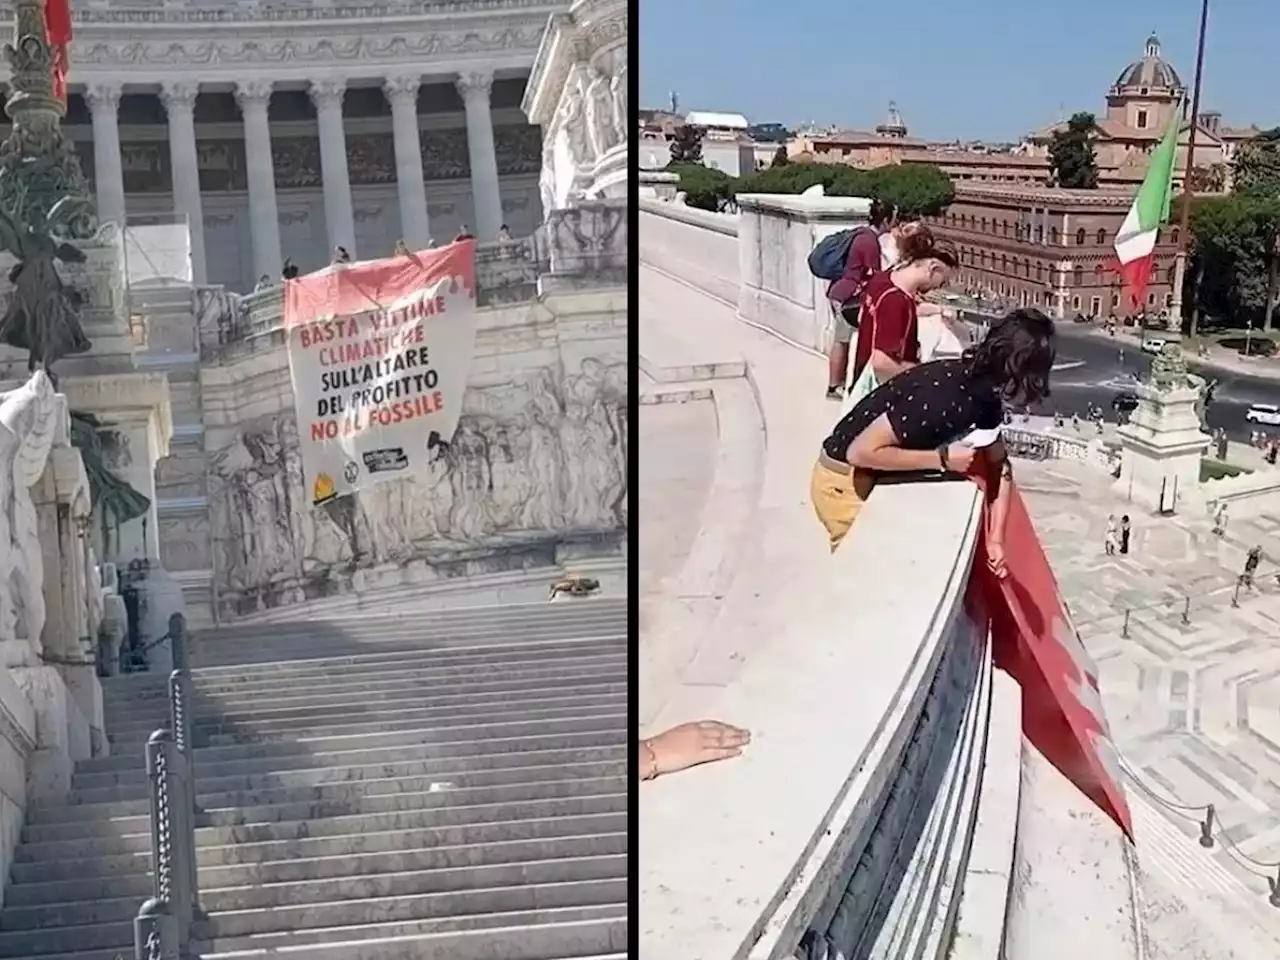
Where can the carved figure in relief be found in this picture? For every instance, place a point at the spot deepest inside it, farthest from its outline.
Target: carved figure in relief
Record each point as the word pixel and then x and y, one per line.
pixel 618 88
pixel 547 178
pixel 28 425
pixel 472 479
pixel 600 128
pixel 573 121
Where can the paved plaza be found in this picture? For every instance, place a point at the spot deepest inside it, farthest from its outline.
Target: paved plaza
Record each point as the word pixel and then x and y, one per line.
pixel 1191 691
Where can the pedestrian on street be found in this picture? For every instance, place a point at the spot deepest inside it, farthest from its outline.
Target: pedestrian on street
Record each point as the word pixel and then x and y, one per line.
pixel 1112 538
pixel 1251 566
pixel 1220 520
pixel 1125 530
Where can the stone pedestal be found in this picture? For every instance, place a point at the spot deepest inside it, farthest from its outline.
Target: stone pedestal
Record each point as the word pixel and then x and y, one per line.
pixel 776 234
pixel 1162 446
pixel 137 424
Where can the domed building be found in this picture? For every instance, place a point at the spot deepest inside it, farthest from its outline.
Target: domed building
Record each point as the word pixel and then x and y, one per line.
pixel 1146 96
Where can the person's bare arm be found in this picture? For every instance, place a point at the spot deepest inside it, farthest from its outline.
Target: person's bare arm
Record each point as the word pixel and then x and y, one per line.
pixel 885 367
pixel 877 448
pixel 999 516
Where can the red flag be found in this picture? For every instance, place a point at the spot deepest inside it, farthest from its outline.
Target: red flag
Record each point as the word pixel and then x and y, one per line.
pixel 1034 640
pixel 57 29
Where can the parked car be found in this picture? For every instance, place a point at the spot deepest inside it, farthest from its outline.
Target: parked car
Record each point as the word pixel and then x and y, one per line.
pixel 1267 413
pixel 1153 344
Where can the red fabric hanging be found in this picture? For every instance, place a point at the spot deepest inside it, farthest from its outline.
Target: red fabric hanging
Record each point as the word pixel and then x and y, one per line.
pixel 57 28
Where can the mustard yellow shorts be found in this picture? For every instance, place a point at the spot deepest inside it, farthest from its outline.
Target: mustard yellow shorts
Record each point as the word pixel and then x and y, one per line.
pixel 838 496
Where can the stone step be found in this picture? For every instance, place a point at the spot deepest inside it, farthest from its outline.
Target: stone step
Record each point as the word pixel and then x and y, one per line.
pixel 314 827
pixel 427 744
pixel 517 666
pixel 128 753
pixel 214 732
pixel 565 934
pixel 312 850
pixel 115 936
pixel 303 873
pixel 563 678
pixel 285 651
pixel 524 768
pixel 250 897
pixel 147 686
pixel 433 623
pixel 226 824
pixel 436 759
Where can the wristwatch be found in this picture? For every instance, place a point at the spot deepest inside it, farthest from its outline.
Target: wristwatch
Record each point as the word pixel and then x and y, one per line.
pixel 942 458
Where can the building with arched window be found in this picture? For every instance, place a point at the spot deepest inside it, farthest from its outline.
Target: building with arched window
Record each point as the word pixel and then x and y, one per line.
pixel 1001 232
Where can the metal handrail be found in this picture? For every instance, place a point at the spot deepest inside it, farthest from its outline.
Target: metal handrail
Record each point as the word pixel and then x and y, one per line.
pixel 163 928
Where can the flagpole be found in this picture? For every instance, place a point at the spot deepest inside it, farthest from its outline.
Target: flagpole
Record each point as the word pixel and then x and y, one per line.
pixel 1184 214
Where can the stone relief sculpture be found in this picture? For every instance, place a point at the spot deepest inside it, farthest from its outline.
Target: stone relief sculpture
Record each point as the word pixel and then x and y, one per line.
pixel 600 114
pixel 28 427
pixel 531 460
pixel 572 120
pixel 618 88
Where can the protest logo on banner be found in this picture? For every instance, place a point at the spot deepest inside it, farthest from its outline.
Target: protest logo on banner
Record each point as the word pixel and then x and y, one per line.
pixel 379 354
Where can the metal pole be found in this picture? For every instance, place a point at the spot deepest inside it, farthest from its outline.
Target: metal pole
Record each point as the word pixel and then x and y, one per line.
pixel 1184 214
pixel 1235 596
pixel 1206 828
pixel 169 825
pixel 155 935
pixel 1186 611
pixel 1124 630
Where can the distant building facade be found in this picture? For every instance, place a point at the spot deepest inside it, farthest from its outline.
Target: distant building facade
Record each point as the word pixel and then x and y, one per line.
pixel 1049 248
pixel 1145 97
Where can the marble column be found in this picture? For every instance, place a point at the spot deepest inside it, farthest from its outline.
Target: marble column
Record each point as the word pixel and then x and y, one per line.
pixel 104 106
pixel 254 97
pixel 402 94
pixel 485 195
pixel 179 98
pixel 339 218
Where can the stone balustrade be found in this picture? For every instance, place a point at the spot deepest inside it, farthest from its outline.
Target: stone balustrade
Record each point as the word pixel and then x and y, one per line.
pixel 888 800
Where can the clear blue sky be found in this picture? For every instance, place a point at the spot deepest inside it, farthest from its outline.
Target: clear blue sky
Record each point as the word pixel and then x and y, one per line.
pixel 983 69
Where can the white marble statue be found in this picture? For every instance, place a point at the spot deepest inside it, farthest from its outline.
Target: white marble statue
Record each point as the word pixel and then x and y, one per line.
pixel 600 127
pixel 618 88
pixel 28 428
pixel 573 121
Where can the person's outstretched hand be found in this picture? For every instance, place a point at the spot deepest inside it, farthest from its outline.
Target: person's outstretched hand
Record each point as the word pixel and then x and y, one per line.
pixel 690 744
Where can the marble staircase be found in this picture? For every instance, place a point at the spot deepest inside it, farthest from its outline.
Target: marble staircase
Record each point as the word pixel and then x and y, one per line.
pixel 443 784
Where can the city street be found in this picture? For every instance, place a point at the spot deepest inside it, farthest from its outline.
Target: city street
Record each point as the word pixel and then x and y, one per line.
pixel 1092 370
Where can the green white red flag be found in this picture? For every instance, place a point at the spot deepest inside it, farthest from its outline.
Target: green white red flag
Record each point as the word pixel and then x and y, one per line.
pixel 1136 238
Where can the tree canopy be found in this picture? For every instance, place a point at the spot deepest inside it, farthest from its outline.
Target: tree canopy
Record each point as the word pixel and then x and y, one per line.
pixel 1256 168
pixel 1234 239
pixel 704 188
pixel 916 190
pixel 1072 157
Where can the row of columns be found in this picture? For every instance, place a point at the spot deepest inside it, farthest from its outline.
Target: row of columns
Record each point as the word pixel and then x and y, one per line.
pixel 254 96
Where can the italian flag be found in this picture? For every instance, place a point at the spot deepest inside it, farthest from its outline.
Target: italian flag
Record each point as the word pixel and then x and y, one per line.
pixel 1136 238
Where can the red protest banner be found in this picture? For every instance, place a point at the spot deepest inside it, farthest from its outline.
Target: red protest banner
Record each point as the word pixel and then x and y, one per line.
pixel 1035 642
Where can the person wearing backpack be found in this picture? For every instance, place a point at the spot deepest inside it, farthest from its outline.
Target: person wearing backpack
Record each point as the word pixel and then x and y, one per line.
pixel 848 258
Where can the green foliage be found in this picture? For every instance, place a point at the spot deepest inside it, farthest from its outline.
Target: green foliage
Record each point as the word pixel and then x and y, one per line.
pixel 687 145
pixel 917 190
pixel 1072 157
pixel 1256 168
pixel 1232 238
pixel 704 188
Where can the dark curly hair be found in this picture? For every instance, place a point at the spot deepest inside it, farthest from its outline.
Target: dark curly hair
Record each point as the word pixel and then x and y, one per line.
pixel 1016 356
